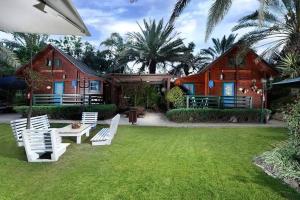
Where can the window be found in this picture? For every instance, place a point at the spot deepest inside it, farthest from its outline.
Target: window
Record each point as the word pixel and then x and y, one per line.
pixel 190 87
pixel 49 62
pixel 237 61
pixel 95 85
pixel 57 62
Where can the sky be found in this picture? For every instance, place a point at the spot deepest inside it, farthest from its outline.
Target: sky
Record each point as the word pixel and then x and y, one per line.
pixel 104 17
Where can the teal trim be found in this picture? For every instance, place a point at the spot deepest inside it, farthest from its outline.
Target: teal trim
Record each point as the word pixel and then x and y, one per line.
pixel 223 88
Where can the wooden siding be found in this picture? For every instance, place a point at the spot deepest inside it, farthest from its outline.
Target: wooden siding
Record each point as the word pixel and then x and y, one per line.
pixel 66 73
pixel 253 68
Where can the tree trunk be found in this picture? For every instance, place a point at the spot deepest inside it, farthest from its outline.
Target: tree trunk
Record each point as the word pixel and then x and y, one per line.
pixel 30 108
pixel 152 67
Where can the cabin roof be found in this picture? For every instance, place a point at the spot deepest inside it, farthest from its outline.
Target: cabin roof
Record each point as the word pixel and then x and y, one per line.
pixel 77 63
pixel 236 45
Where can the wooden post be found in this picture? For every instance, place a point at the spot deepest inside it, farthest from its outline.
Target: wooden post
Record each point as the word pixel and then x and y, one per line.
pixel 187 101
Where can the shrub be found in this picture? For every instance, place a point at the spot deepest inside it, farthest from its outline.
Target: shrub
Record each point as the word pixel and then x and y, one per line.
pixel 176 97
pixel 69 112
pixel 216 115
pixel 292 117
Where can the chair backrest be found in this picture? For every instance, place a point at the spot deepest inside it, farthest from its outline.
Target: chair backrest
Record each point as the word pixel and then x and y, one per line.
pixel 39 140
pixel 89 118
pixel 19 125
pixel 40 122
pixel 114 124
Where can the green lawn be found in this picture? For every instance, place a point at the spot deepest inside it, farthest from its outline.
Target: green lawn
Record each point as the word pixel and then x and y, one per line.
pixel 149 163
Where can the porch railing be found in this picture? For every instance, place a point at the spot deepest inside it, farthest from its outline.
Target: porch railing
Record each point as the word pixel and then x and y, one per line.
pixel 67 99
pixel 194 101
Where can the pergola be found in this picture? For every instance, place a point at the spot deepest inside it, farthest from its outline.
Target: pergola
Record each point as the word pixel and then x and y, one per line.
pixel 116 80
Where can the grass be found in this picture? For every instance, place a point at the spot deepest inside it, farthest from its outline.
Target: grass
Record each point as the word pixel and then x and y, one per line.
pixel 149 163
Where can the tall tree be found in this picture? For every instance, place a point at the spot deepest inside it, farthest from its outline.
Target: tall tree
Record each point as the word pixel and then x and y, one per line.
pixel 217 11
pixel 155 44
pixel 190 63
pixel 219 47
pixel 26 45
pixel 279 30
pixel 116 52
pixel 72 45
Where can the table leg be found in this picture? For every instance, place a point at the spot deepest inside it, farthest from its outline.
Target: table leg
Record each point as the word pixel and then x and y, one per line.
pixel 78 139
pixel 87 133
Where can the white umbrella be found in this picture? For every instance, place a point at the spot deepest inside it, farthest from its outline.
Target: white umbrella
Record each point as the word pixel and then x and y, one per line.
pixel 58 17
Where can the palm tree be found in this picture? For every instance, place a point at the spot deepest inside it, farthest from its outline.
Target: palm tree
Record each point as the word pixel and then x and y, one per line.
pixel 279 30
pixel 289 65
pixel 217 11
pixel 219 47
pixel 8 57
pixel 117 52
pixel 190 63
pixel 155 44
pixel 26 45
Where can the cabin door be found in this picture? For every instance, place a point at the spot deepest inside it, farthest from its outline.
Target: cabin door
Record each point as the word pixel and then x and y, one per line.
pixel 228 94
pixel 58 92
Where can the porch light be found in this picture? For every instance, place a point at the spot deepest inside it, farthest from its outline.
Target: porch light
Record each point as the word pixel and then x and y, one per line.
pixel 221 76
pixel 271 79
pixel 64 76
pixel 48 87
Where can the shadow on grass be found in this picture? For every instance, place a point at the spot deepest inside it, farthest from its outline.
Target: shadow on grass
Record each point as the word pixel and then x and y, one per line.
pixel 275 185
pixel 11 150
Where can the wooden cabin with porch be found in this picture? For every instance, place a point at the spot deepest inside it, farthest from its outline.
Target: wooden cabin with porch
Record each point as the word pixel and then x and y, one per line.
pixel 237 79
pixel 68 80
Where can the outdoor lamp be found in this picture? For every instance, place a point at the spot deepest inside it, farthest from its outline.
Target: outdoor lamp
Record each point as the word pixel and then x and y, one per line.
pixel 48 87
pixel 263 80
pixel 221 76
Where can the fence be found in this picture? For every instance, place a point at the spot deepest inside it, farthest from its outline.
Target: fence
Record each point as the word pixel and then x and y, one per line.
pixel 67 99
pixel 218 101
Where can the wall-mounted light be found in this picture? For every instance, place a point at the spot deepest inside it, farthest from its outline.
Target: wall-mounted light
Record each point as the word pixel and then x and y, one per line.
pixel 221 76
pixel 64 76
pixel 48 87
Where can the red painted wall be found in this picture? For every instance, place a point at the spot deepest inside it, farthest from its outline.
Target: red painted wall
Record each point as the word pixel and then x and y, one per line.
pixel 56 74
pixel 252 69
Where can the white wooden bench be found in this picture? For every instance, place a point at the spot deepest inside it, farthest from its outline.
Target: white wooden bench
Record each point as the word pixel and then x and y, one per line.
pixel 90 118
pixel 105 135
pixel 19 125
pixel 43 145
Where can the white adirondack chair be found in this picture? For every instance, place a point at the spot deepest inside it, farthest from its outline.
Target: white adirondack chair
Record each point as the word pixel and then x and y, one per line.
pixel 19 125
pixel 43 145
pixel 90 118
pixel 105 135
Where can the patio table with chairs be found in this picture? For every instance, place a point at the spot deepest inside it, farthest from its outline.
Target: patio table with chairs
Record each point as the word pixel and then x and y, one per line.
pixel 69 131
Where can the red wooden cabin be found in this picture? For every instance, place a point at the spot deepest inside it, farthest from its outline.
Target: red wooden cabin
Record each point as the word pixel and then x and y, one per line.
pixel 66 77
pixel 233 76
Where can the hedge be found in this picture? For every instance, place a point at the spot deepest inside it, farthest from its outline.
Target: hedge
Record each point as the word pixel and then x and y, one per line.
pixel 69 111
pixel 216 115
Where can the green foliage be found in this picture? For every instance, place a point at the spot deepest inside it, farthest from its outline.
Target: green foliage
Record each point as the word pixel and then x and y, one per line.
pixel 289 65
pixel 176 97
pixel 279 30
pixel 68 112
pixel 216 115
pixel 26 45
pixel 292 116
pixel 219 47
pixel 142 94
pixel 282 159
pixel 155 44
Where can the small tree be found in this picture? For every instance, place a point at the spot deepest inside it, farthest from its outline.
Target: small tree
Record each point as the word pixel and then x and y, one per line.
pixel 34 81
pixel 176 97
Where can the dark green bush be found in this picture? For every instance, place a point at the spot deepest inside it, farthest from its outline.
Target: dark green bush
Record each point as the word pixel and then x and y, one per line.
pixel 69 112
pixel 216 115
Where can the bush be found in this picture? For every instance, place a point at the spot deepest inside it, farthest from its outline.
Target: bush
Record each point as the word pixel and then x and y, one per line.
pixel 216 115
pixel 69 112
pixel 176 97
pixel 292 117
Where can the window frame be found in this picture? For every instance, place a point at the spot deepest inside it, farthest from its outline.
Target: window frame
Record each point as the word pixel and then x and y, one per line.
pixel 96 86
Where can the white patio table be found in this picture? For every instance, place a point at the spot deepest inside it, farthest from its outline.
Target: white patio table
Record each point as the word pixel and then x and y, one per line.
pixel 68 131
